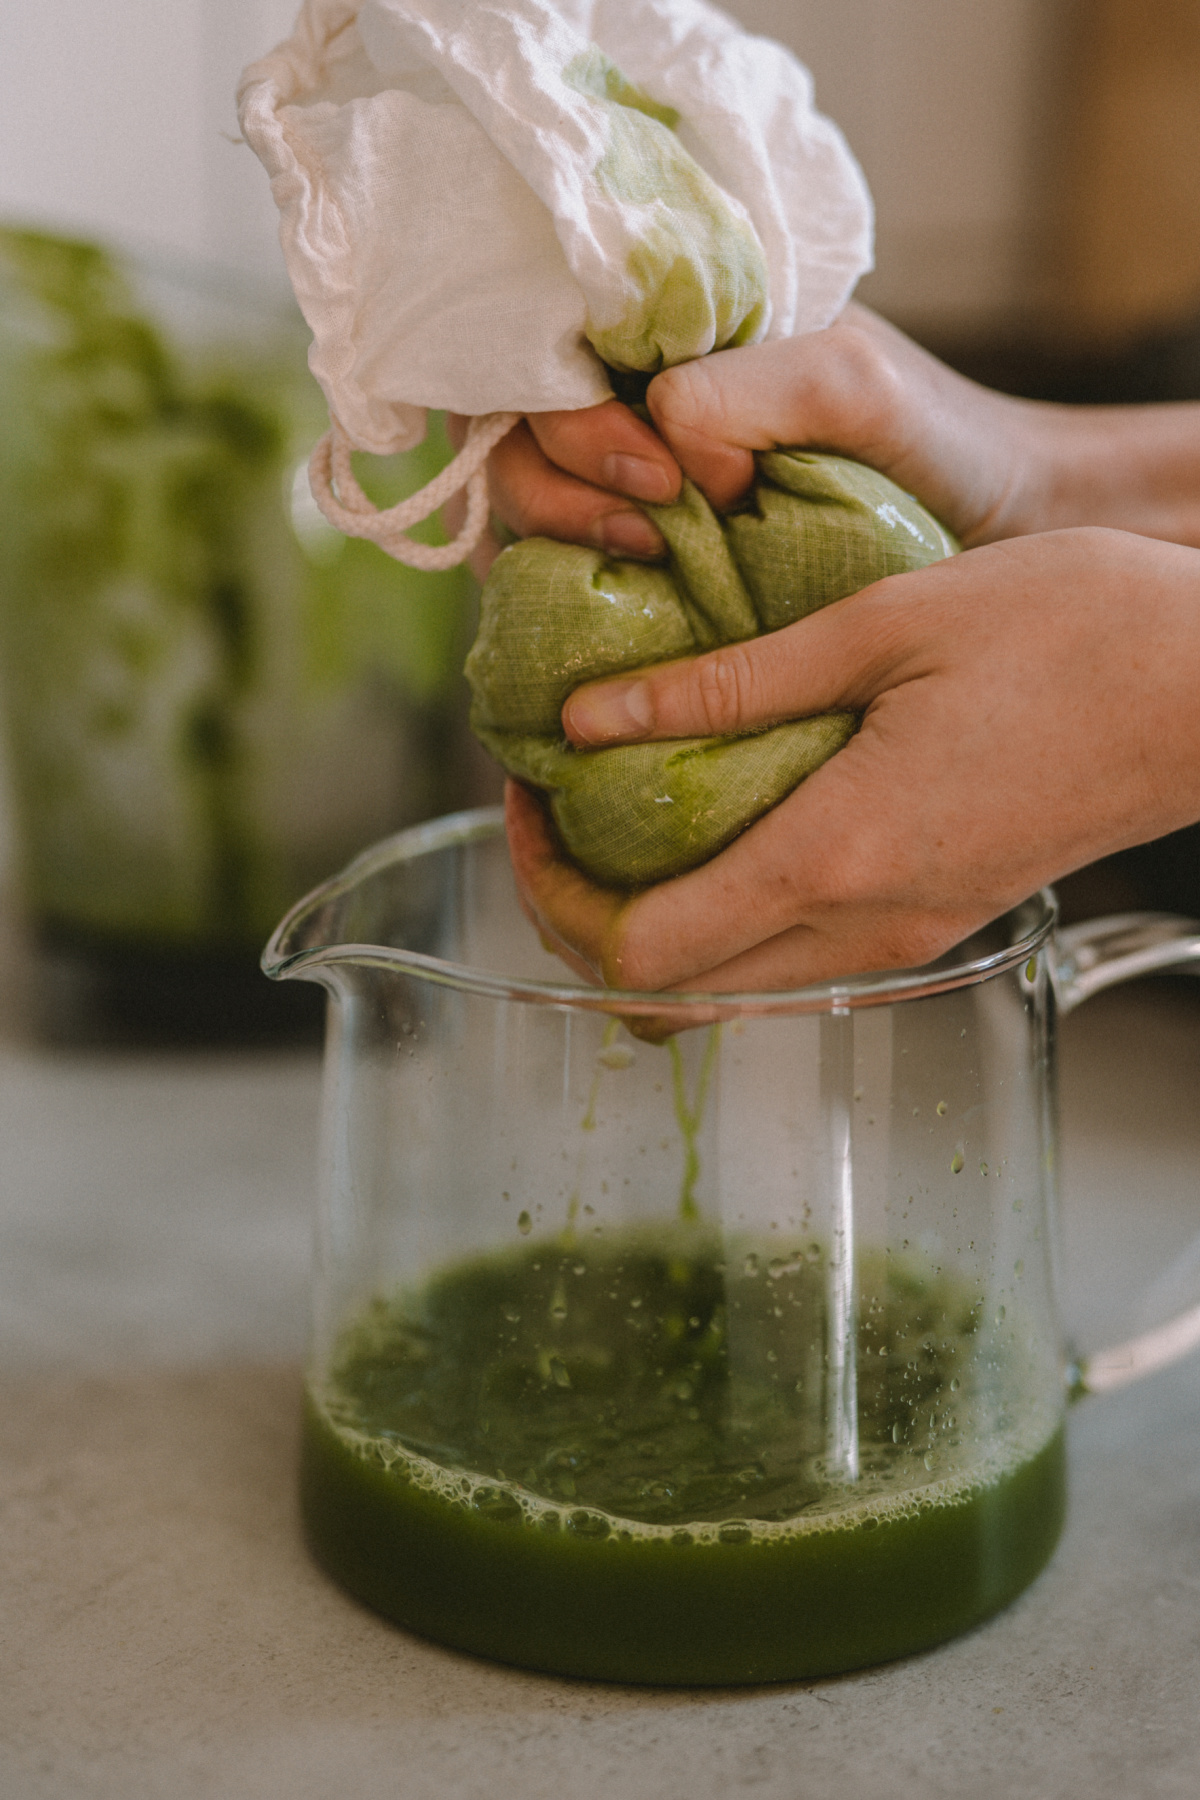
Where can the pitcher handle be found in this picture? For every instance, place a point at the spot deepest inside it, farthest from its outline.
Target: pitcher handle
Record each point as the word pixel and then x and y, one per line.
pixel 1087 959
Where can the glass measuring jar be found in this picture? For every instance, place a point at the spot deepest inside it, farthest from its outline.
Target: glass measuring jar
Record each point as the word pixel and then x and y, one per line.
pixel 666 1339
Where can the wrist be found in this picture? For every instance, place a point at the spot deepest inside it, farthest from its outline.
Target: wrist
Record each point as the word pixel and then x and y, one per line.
pixel 1131 468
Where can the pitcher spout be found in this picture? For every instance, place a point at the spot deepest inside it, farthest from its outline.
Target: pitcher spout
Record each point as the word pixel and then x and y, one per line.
pixel 367 917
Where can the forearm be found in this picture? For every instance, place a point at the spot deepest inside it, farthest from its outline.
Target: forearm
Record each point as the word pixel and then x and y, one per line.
pixel 1134 468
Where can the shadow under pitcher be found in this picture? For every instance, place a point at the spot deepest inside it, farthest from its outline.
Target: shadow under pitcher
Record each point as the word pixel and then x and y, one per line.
pixel 727 1357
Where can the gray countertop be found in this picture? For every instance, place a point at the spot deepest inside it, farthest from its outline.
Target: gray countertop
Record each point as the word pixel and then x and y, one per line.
pixel 165 1635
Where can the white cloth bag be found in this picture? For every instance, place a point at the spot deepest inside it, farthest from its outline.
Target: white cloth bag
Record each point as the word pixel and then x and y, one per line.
pixel 484 201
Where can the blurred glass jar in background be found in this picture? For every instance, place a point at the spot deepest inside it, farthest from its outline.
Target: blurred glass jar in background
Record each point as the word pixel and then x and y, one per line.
pixel 211 697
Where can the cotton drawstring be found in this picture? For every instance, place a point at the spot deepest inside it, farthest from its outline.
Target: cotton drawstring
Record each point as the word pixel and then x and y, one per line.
pixel 344 504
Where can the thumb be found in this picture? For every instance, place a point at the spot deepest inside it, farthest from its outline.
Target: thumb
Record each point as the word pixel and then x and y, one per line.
pixel 829 388
pixel 843 656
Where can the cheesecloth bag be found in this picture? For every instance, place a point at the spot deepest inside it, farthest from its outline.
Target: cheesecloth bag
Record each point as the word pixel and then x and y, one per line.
pixel 505 206
pixel 487 205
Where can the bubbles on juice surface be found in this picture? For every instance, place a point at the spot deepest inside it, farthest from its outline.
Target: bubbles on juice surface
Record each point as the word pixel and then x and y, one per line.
pixel 528 1387
pixel 589 1524
pixel 497 1504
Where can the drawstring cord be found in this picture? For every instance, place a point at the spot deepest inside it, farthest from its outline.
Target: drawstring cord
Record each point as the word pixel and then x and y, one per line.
pixel 344 504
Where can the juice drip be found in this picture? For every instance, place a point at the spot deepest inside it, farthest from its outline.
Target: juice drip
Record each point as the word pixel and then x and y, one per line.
pixel 690 1118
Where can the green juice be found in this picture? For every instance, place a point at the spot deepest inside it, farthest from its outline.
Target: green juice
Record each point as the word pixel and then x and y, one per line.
pixel 613 1461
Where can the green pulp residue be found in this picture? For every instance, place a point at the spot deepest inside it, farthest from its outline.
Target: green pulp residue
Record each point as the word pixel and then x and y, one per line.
pixel 663 1381
pixel 189 651
pixel 591 72
pixel 696 278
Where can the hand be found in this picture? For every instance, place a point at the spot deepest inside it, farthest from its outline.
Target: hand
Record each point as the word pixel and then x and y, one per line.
pixel 1029 706
pixel 859 388
pixel 990 467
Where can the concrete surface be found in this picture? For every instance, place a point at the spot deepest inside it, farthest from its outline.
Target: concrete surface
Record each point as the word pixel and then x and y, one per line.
pixel 163 1633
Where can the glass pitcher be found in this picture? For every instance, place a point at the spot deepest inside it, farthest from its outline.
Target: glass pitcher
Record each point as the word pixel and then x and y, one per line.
pixel 682 1340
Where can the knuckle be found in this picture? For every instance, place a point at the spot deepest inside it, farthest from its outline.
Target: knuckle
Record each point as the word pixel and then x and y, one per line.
pixel 527 491
pixel 726 689
pixel 514 511
pixel 528 505
pixel 858 353
pixel 908 941
pixel 507 481
pixel 861 375
pixel 637 960
pixel 854 867
pixel 786 895
pixel 860 357
pixel 846 875
pixel 567 437
pixel 687 398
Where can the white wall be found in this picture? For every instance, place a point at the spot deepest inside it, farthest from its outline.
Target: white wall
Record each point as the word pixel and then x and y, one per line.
pixel 944 102
pixel 111 115
pixel 116 118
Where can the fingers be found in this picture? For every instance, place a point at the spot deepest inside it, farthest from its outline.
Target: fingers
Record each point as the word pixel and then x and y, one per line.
pixel 841 656
pixel 770 911
pixel 535 498
pixel 802 896
pixel 717 926
pixel 577 920
pixel 572 475
pixel 794 900
pixel 610 447
pixel 878 860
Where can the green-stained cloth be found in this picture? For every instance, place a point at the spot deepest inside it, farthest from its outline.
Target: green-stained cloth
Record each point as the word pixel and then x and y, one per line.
pixel 695 278
pixel 812 530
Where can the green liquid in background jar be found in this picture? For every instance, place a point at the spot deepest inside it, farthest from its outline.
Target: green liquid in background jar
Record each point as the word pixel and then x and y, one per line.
pixel 610 1461
pixel 212 699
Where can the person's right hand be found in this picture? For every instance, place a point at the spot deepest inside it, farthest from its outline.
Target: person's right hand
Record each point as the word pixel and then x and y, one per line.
pixel 1027 707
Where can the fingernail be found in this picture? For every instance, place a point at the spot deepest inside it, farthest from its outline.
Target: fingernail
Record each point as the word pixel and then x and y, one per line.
pixel 611 710
pixel 638 477
pixel 628 534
